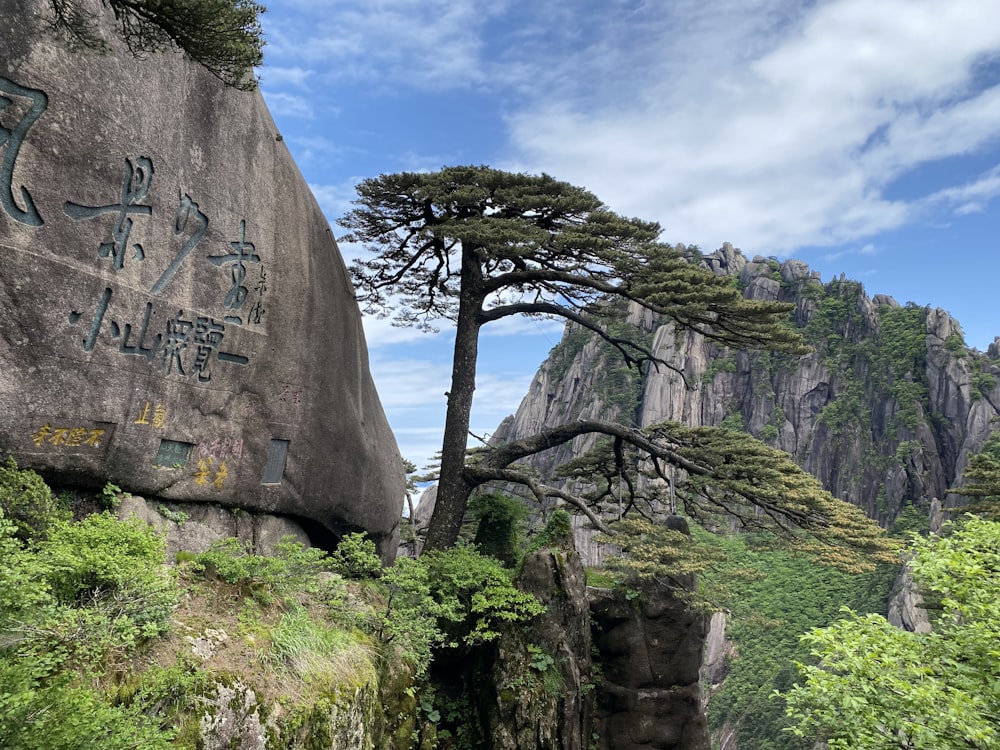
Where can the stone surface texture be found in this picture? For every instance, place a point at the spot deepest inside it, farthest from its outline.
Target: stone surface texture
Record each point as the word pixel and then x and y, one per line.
pixel 650 650
pixel 881 465
pixel 542 698
pixel 176 311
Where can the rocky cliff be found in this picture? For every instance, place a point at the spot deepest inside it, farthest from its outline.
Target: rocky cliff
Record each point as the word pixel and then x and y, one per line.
pixel 885 411
pixel 177 316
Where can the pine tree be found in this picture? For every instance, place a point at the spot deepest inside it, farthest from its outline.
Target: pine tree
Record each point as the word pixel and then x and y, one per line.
pixel 474 245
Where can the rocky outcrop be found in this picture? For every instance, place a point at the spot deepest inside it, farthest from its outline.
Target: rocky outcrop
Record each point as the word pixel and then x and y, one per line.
pixel 885 412
pixel 193 527
pixel 540 685
pixel 177 316
pixel 650 652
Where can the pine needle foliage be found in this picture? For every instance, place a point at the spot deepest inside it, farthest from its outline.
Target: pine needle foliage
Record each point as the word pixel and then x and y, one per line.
pixel 982 481
pixel 224 36
pixel 475 245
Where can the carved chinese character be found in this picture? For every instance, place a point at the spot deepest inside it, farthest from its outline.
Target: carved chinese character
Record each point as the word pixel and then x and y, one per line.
pixel 220 476
pixel 175 341
pixel 208 335
pixel 11 139
pixel 137 349
pixel 243 252
pixel 257 311
pixel 95 327
pixel 43 432
pixel 143 415
pixel 204 470
pixel 185 211
pixel 77 435
pixel 135 188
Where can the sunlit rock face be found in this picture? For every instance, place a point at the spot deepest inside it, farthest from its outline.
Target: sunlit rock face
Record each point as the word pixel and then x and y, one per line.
pixel 177 318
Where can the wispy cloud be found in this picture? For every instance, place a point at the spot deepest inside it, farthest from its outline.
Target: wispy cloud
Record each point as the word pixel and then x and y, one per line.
pixel 971 197
pixel 428 44
pixel 789 133
pixel 290 105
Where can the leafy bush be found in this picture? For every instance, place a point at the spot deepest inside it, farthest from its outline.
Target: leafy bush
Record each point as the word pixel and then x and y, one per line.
pixel 88 591
pixel 879 687
pixel 499 518
pixel 114 564
pixel 44 711
pixel 449 598
pixel 28 502
pixel 293 568
pixel 356 557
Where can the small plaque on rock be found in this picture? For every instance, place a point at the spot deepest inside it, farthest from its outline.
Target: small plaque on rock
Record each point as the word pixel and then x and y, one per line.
pixel 173 453
pixel 275 466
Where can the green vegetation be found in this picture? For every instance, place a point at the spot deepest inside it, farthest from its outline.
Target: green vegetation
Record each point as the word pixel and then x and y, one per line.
pixel 224 36
pixel 772 597
pixel 875 686
pixel 75 599
pixel 103 645
pixel 28 503
pixel 982 480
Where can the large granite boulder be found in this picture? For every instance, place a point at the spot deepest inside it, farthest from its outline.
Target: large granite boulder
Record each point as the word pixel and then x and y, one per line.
pixel 177 318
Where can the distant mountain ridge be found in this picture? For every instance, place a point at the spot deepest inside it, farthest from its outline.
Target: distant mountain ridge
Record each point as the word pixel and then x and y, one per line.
pixel 885 411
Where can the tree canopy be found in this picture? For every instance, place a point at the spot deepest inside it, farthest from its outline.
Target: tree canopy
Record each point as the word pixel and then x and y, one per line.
pixel 881 688
pixel 474 245
pixel 982 480
pixel 224 36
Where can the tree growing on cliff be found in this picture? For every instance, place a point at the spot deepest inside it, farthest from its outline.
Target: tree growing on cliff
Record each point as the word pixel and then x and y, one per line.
pixel 982 480
pixel 474 245
pixel 881 688
pixel 224 36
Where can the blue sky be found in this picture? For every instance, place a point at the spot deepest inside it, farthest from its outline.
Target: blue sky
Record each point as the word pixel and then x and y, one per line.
pixel 860 136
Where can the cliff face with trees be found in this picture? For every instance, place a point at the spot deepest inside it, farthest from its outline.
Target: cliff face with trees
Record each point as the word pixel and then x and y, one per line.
pixel 885 411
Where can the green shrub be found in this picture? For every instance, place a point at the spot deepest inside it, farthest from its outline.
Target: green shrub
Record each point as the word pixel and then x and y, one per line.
pixel 27 501
pixel 356 557
pixel 44 711
pixel 292 569
pixel 116 565
pixel 451 598
pixel 499 518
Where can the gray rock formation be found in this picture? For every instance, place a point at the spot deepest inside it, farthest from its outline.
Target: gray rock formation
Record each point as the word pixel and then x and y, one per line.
pixel 193 527
pixel 885 412
pixel 541 682
pixel 177 316
pixel 650 650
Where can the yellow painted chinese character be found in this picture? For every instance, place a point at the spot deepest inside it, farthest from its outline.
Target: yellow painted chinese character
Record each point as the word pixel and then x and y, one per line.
pixel 95 438
pixel 203 471
pixel 43 432
pixel 159 416
pixel 59 435
pixel 76 435
pixel 144 415
pixel 220 476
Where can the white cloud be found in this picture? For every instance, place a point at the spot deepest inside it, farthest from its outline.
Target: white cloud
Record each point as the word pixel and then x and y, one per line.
pixel 521 325
pixel 284 104
pixel 276 77
pixel 787 134
pixel 409 383
pixel 971 197
pixel 426 44
pixel 335 198
pixel 380 332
